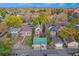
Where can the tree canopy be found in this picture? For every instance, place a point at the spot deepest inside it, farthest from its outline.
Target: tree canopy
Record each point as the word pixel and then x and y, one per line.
pixel 13 21
pixel 67 32
pixel 5 47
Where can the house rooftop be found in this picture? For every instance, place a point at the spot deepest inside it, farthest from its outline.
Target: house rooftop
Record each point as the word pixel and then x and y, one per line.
pixel 26 27
pixel 76 25
pixel 40 41
pixel 14 30
pixel 57 40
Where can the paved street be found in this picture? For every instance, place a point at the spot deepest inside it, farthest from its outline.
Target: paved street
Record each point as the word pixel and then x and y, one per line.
pixel 56 52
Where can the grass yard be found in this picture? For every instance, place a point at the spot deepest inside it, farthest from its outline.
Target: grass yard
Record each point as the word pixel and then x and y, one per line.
pixel 28 41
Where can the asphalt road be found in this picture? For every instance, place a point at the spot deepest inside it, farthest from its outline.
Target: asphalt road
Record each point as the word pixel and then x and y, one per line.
pixel 55 52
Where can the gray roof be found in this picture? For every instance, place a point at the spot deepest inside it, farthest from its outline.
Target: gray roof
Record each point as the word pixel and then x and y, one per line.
pixel 14 30
pixel 76 25
pixel 57 40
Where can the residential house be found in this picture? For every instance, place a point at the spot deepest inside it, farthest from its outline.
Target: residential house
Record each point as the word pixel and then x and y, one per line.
pixel 76 10
pixel 25 30
pixel 71 43
pixel 60 18
pixel 53 33
pixel 38 31
pixel 75 13
pixel 58 42
pixel 14 31
pixel 39 44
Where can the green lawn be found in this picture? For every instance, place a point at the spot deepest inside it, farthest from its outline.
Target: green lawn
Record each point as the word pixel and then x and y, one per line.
pixel 28 41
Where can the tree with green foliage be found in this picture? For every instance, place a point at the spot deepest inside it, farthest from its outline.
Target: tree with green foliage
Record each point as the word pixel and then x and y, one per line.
pixel 69 13
pixel 28 41
pixel 13 21
pixel 47 35
pixel 62 34
pixel 77 20
pixel 40 19
pixel 52 45
pixel 5 47
pixel 72 21
pixel 67 32
pixel 3 13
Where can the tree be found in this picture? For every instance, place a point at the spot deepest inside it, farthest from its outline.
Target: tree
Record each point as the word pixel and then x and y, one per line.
pixel 40 19
pixel 52 45
pixel 62 34
pixel 13 21
pixel 77 34
pixel 33 33
pixel 77 20
pixel 67 31
pixel 69 13
pixel 72 21
pixel 5 47
pixel 47 35
pixel 3 13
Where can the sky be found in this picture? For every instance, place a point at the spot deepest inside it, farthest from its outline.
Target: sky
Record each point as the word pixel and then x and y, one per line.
pixel 39 5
